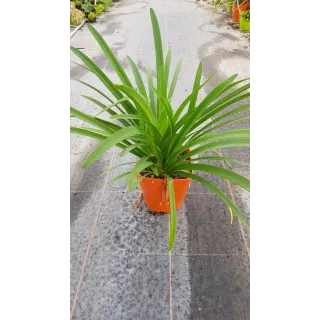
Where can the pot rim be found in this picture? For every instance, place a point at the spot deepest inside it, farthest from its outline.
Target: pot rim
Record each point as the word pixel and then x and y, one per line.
pixel 184 179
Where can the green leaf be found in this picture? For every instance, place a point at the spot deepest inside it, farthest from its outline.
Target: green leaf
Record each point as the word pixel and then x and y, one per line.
pixel 208 147
pixel 219 158
pixel 129 148
pixel 89 119
pixel 173 223
pixel 196 84
pixel 104 79
pixel 118 177
pixel 110 56
pixel 151 93
pixel 120 165
pixel 105 145
pixel 93 88
pixel 199 110
pixel 140 102
pixel 167 66
pixel 230 134
pixel 197 134
pixel 140 165
pixel 185 102
pixel 87 133
pixel 218 171
pixel 215 190
pixel 175 79
pixel 109 106
pixel 157 39
pixel 137 77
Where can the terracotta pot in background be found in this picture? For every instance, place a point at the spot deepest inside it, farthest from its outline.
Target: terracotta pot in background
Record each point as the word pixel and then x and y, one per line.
pixel 235 10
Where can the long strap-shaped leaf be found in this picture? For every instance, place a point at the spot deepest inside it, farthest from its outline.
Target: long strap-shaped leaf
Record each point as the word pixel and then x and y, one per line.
pixel 189 98
pixel 87 133
pixel 218 171
pixel 140 102
pixel 198 111
pixel 103 78
pixel 151 93
pixel 130 148
pixel 104 146
pixel 102 105
pixel 140 166
pixel 93 88
pixel 173 223
pixel 222 104
pixel 167 66
pixel 208 147
pixel 203 129
pixel 110 56
pixel 118 177
pixel 215 190
pixel 89 119
pixel 196 84
pixel 230 134
pixel 161 82
pixel 220 158
pixel 174 79
pixel 137 77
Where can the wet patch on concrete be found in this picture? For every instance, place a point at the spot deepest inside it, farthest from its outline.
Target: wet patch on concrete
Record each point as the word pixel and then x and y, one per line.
pixel 111 28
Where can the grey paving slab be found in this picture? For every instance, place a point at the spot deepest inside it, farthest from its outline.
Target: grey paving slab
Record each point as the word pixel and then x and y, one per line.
pixel 87 179
pixel 209 228
pixel 83 209
pixel 121 230
pixel 121 287
pixel 219 288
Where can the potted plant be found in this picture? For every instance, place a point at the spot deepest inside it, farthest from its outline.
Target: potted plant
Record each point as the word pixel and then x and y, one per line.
pixel 164 139
pixel 221 5
pixel 238 6
pixel 244 21
pixel 229 7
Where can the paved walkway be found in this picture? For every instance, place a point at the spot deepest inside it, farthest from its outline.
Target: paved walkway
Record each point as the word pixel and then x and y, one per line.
pixel 120 266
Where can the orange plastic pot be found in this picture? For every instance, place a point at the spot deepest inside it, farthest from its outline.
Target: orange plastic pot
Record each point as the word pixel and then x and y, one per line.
pixel 235 10
pixel 156 194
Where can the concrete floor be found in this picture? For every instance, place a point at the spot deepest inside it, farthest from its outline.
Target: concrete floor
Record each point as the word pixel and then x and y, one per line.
pixel 120 266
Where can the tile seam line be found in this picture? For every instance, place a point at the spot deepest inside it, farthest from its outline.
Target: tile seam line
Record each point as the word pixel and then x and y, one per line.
pixel 90 241
pixel 169 255
pixel 228 183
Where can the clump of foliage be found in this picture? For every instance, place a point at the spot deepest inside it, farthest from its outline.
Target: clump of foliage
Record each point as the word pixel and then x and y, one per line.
pixel 76 16
pixel 99 8
pixel 91 16
pixel 219 5
pixel 90 8
pixel 246 15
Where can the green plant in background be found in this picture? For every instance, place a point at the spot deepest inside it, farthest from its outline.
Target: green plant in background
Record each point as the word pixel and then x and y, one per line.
pixel 91 16
pixel 87 7
pixel 219 5
pixel 76 16
pixel 99 8
pixel 245 15
pixel 156 132
pixel 90 10
pixel 106 3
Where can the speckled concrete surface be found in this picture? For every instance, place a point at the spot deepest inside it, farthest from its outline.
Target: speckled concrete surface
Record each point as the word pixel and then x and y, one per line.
pixel 120 267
